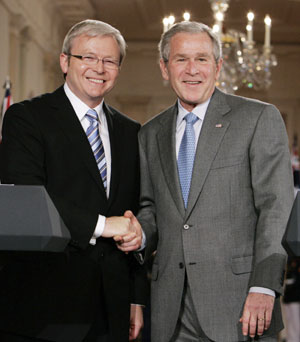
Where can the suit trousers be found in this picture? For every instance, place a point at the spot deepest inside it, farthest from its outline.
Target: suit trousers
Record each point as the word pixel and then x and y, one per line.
pixel 188 328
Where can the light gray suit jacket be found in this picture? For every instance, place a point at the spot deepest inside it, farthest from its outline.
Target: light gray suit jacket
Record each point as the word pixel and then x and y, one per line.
pixel 229 238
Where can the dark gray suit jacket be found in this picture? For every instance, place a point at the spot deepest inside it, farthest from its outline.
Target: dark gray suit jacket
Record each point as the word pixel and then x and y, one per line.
pixel 229 238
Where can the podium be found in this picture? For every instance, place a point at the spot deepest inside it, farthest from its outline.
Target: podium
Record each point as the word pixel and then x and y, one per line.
pixel 29 220
pixel 291 237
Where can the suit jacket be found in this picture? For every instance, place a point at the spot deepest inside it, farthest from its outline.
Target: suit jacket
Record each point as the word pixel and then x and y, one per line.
pixel 59 296
pixel 228 238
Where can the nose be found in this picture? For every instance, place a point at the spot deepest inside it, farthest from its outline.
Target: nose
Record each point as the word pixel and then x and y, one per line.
pixel 99 67
pixel 192 67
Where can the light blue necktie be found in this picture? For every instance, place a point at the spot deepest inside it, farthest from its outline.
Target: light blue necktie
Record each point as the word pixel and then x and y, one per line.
pixel 95 141
pixel 186 156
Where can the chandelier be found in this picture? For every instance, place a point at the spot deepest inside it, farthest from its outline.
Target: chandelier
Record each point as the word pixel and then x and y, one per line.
pixel 243 64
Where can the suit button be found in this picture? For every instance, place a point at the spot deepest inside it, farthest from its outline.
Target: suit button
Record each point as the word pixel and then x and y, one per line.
pixel 181 265
pixel 186 226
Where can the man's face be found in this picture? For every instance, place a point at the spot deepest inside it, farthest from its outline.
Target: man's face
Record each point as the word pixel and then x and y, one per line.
pixel 91 82
pixel 191 69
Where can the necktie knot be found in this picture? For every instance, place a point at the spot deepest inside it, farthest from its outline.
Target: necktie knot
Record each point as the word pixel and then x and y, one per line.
pixel 191 118
pixel 92 115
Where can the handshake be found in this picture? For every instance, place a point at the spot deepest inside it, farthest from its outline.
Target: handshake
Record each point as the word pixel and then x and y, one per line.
pixel 125 230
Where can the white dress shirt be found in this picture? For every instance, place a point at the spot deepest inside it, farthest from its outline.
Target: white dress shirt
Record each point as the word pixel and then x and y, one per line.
pixel 81 109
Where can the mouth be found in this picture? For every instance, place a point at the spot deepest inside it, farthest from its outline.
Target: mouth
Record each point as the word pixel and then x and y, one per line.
pixel 94 80
pixel 192 82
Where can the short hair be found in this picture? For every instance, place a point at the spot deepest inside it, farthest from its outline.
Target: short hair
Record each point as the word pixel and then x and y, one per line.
pixel 93 28
pixel 188 27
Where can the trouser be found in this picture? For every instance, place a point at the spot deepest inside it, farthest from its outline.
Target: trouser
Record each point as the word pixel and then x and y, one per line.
pixel 188 328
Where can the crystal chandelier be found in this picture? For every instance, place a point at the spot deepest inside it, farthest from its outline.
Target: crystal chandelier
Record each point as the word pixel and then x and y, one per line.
pixel 243 64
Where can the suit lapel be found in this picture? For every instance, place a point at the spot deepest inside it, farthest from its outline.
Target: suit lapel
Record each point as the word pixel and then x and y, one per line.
pixel 72 128
pixel 166 139
pixel 212 133
pixel 115 137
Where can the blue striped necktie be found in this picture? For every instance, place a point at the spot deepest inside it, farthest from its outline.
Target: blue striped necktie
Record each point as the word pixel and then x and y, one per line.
pixel 186 156
pixel 96 143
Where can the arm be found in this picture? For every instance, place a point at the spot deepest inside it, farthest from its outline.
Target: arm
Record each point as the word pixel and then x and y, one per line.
pixel 23 160
pixel 144 224
pixel 272 185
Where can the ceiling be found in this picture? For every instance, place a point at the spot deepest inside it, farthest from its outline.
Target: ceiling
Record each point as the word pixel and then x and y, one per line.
pixel 141 20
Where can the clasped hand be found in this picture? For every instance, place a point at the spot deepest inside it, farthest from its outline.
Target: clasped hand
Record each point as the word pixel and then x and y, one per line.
pixel 125 230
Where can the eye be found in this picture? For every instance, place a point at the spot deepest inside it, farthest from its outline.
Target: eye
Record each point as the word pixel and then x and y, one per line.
pixel 110 62
pixel 202 59
pixel 89 59
pixel 181 60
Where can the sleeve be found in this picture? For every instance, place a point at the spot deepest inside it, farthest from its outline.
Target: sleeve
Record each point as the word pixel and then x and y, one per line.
pixel 147 215
pixel 272 184
pixel 22 162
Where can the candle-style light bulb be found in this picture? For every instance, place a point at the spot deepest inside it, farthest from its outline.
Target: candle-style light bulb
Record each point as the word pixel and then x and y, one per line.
pixel 165 23
pixel 186 16
pixel 268 23
pixel 171 20
pixel 249 27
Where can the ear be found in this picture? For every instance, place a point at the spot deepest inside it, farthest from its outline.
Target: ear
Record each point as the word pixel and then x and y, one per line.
pixel 164 69
pixel 218 69
pixel 64 63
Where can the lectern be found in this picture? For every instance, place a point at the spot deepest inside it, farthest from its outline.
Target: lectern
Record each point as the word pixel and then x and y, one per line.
pixel 291 238
pixel 29 220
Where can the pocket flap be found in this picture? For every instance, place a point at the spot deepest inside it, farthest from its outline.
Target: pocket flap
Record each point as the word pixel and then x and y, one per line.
pixel 242 264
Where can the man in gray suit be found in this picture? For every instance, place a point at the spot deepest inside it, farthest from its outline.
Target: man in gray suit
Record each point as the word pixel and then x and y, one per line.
pixel 216 195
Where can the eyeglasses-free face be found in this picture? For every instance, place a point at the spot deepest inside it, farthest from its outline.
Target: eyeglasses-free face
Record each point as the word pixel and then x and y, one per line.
pixel 191 69
pixel 88 79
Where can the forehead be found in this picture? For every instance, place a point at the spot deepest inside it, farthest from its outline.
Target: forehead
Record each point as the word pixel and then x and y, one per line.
pixel 185 42
pixel 99 42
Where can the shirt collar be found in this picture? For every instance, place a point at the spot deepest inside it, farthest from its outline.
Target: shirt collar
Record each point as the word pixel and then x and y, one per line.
pixel 199 110
pixel 80 107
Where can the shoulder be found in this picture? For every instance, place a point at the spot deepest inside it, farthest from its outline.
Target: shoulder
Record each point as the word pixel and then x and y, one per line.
pixel 121 118
pixel 36 103
pixel 163 118
pixel 241 103
pixel 248 110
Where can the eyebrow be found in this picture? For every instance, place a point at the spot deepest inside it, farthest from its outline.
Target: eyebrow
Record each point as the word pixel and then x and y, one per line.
pixel 201 54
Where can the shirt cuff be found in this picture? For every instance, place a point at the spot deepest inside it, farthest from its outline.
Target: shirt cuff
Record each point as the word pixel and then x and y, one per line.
pixel 98 230
pixel 143 244
pixel 256 289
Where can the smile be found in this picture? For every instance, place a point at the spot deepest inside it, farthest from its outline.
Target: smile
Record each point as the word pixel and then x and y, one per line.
pixel 192 82
pixel 95 80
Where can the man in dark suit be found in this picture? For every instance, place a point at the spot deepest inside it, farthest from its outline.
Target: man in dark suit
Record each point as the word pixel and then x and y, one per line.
pixel 85 153
pixel 216 195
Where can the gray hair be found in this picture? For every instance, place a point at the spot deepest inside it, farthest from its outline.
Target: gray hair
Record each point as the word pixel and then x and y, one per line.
pixel 188 27
pixel 93 28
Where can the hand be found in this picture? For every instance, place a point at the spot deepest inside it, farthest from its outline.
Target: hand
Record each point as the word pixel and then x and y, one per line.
pixel 136 321
pixel 257 314
pixel 131 241
pixel 117 226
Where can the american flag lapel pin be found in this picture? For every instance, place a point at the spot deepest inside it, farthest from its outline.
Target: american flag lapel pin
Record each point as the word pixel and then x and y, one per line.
pixel 219 125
